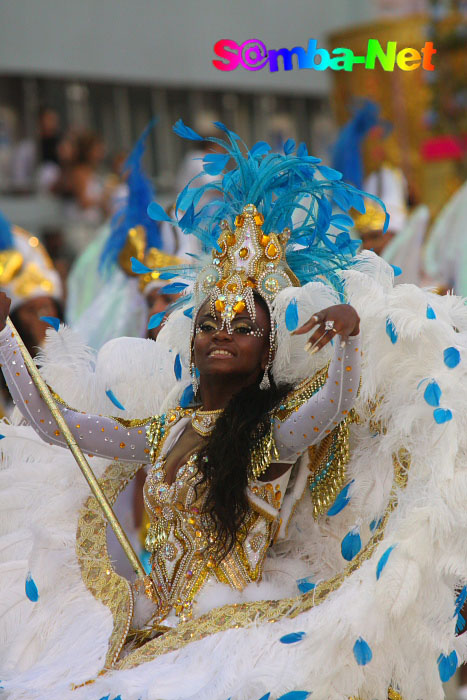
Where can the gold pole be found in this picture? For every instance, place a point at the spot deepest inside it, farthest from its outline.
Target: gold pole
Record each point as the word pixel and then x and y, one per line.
pixel 77 454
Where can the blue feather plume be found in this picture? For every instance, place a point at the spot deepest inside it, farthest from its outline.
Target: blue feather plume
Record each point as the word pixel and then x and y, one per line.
pixel 265 697
pixel 341 501
pixel 460 600
pixel 295 695
pixel 178 368
pixel 451 357
pixel 134 211
pixel 31 589
pixel 304 585
pixel 174 288
pixel 432 393
pixel 114 399
pixel 138 267
pixel 291 315
pixel 351 544
pixel 292 638
pixel 362 652
pixel 6 234
pixel 430 312
pixel 156 320
pixel 442 415
pixel 52 321
pixel 447 666
pixel 391 331
pixel 187 397
pixel 383 561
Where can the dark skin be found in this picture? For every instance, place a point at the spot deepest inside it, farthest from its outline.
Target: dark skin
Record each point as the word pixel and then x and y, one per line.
pixel 222 375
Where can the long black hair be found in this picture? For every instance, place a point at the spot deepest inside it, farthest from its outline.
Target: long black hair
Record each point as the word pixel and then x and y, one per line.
pixel 225 459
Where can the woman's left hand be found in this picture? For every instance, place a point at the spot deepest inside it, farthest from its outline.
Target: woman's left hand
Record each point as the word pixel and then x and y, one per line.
pixel 345 321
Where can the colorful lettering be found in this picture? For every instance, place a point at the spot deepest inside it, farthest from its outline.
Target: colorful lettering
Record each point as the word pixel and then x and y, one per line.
pixel 221 49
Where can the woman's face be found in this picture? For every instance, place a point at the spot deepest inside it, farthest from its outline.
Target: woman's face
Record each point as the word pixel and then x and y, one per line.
pixel 244 352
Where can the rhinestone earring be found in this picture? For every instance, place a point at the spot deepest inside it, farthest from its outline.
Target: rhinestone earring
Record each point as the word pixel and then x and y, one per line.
pixel 194 378
pixel 265 383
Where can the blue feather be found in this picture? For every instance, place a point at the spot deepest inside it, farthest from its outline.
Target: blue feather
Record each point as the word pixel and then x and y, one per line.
pixel 460 600
pixel 214 163
pixel 289 147
pixel 292 638
pixel 329 173
pixel 374 525
pixel 186 132
pixel 138 267
pixel 291 315
pixel 295 695
pixel 173 288
pixel 260 149
pixel 430 312
pixel 447 666
pixel 391 331
pixel 386 222
pixel 460 623
pixel 451 357
pixel 158 213
pixel 304 585
pixel 187 396
pixel 186 222
pixel 432 393
pixel 342 221
pixel 105 697
pixel 362 652
pixel 168 275
pixel 178 368
pixel 341 501
pixel 156 320
pixel 226 130
pixel 265 697
pixel 31 589
pixel 383 561
pixel 52 321
pixel 351 544
pixel 442 415
pixel 6 234
pixel 114 399
pixel 302 150
pixel 189 312
pixel 397 270
pixel 1 437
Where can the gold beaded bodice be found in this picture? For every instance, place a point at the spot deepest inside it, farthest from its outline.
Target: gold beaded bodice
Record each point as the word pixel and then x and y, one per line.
pixel 181 537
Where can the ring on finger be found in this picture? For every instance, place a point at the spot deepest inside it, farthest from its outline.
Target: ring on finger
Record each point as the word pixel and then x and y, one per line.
pixel 329 326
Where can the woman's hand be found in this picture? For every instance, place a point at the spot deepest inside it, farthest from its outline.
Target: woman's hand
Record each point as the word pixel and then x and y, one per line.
pixel 5 303
pixel 345 321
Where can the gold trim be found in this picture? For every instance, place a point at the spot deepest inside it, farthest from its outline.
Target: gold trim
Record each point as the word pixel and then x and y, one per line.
pixel 96 567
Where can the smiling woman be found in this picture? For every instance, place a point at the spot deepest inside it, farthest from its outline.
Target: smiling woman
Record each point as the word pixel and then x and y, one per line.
pixel 276 463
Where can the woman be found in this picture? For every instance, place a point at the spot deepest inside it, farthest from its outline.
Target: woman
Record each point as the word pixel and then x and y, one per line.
pixel 262 526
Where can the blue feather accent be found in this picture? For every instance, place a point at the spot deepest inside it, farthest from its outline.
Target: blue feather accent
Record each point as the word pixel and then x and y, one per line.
pixel 386 222
pixel 114 399
pixel 341 501
pixel 6 234
pixel 397 270
pixel 460 600
pixel 105 697
pixel 432 393
pixel 187 397
pixel 265 697
pixel 442 415
pixel 289 147
pixel 31 589
pixel 188 218
pixel 329 173
pixel 186 132
pixel 292 638
pixel 341 221
pixel 383 561
pixel 1 437
pixel 351 544
pixel 295 695
pixel 52 321
pixel 391 331
pixel 214 163
pixel 178 368
pixel 231 134
pixel 304 585
pixel 291 315
pixel 174 288
pixel 460 623
pixel 362 652
pixel 156 320
pixel 138 267
pixel 451 357
pixel 134 209
pixel 158 213
pixel 260 149
pixel 189 312
pixel 430 312
pixel 374 525
pixel 302 150
pixel 447 666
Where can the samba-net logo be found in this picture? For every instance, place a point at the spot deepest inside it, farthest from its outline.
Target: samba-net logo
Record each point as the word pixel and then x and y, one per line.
pixel 253 55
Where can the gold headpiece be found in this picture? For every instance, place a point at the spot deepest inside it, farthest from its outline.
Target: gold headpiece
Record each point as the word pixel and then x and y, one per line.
pixel 371 221
pixel 247 261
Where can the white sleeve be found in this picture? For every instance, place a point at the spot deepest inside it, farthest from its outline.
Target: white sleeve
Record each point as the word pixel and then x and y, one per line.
pixel 96 435
pixel 316 416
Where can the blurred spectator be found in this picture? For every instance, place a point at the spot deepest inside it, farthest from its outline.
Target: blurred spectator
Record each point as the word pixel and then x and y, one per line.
pixel 48 166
